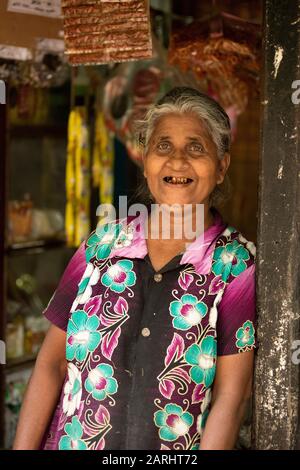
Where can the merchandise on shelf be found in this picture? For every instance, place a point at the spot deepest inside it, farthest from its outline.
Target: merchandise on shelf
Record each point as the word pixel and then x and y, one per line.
pixel 47 223
pixel 26 327
pixel 15 335
pixel 24 336
pixel 28 105
pixel 20 219
pixel 14 393
pixel 27 223
pixel 35 331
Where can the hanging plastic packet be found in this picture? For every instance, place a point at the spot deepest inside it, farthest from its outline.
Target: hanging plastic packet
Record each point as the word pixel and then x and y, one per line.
pixel 103 160
pixel 77 221
pixel 223 51
pixel 101 31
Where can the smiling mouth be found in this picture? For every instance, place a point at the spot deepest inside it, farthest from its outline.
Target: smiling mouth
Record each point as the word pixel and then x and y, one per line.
pixel 177 180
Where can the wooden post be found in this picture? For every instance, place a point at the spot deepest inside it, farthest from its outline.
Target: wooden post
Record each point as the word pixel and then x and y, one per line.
pixel 276 389
pixel 3 199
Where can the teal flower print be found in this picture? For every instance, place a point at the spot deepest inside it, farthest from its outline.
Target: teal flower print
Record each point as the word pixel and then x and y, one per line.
pixel 203 359
pixel 72 441
pixel 119 276
pixel 90 278
pixel 187 312
pixel 72 390
pixel 196 446
pixel 230 258
pixel 245 335
pixel 173 422
pixel 125 237
pixel 229 230
pixel 82 335
pixel 201 421
pixel 100 382
pixel 101 242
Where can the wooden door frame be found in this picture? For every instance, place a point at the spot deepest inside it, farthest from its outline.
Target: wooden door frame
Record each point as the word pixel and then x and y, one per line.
pixel 276 384
pixel 3 210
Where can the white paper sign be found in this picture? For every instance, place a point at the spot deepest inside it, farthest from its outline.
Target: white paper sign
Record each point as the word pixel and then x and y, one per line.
pixel 14 52
pixel 51 8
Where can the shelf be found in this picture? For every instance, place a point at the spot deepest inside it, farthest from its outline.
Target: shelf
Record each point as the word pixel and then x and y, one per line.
pixel 38 150
pixel 20 362
pixel 29 131
pixel 39 245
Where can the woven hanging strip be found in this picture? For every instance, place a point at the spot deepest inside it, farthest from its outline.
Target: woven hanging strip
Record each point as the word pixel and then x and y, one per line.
pixel 224 51
pixel 101 31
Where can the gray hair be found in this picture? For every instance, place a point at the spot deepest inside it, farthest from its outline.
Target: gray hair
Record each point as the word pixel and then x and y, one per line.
pixel 186 100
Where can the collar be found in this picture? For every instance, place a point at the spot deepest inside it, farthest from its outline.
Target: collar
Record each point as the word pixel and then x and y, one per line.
pixel 199 253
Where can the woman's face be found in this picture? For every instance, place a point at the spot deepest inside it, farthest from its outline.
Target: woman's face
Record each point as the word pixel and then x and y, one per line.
pixel 182 165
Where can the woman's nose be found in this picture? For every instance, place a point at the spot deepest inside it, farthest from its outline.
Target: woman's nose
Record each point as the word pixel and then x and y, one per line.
pixel 178 159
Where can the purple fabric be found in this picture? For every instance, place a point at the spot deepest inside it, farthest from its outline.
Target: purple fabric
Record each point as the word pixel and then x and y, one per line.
pixel 118 313
pixel 59 306
pixel 238 303
pixel 199 253
pixel 238 300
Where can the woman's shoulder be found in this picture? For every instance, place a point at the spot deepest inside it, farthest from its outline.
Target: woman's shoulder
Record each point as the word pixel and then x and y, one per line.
pixel 232 236
pixel 106 236
pixel 233 255
pixel 239 240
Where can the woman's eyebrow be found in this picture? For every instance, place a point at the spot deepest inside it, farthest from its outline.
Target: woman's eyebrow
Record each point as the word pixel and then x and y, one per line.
pixel 196 137
pixel 156 139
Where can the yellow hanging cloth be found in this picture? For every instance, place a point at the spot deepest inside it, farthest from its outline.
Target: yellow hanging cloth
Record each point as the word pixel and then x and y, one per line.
pixel 103 161
pixel 77 220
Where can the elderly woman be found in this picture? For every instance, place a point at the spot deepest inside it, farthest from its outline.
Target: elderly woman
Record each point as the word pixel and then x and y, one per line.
pixel 152 338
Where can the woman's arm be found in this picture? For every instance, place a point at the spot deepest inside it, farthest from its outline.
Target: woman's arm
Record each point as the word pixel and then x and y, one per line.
pixel 43 391
pixel 231 391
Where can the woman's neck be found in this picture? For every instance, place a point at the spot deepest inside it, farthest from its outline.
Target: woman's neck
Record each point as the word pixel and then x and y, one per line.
pixel 186 225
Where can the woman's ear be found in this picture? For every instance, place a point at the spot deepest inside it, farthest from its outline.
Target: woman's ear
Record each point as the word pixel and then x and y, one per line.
pixel 223 167
pixel 144 168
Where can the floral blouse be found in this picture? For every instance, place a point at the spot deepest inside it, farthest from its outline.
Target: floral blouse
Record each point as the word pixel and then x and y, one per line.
pixel 142 345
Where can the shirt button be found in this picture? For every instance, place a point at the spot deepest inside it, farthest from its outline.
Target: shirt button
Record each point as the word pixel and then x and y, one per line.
pixel 145 332
pixel 157 277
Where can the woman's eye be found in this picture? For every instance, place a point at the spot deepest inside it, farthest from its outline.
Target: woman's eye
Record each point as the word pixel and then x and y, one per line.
pixel 163 146
pixel 196 148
